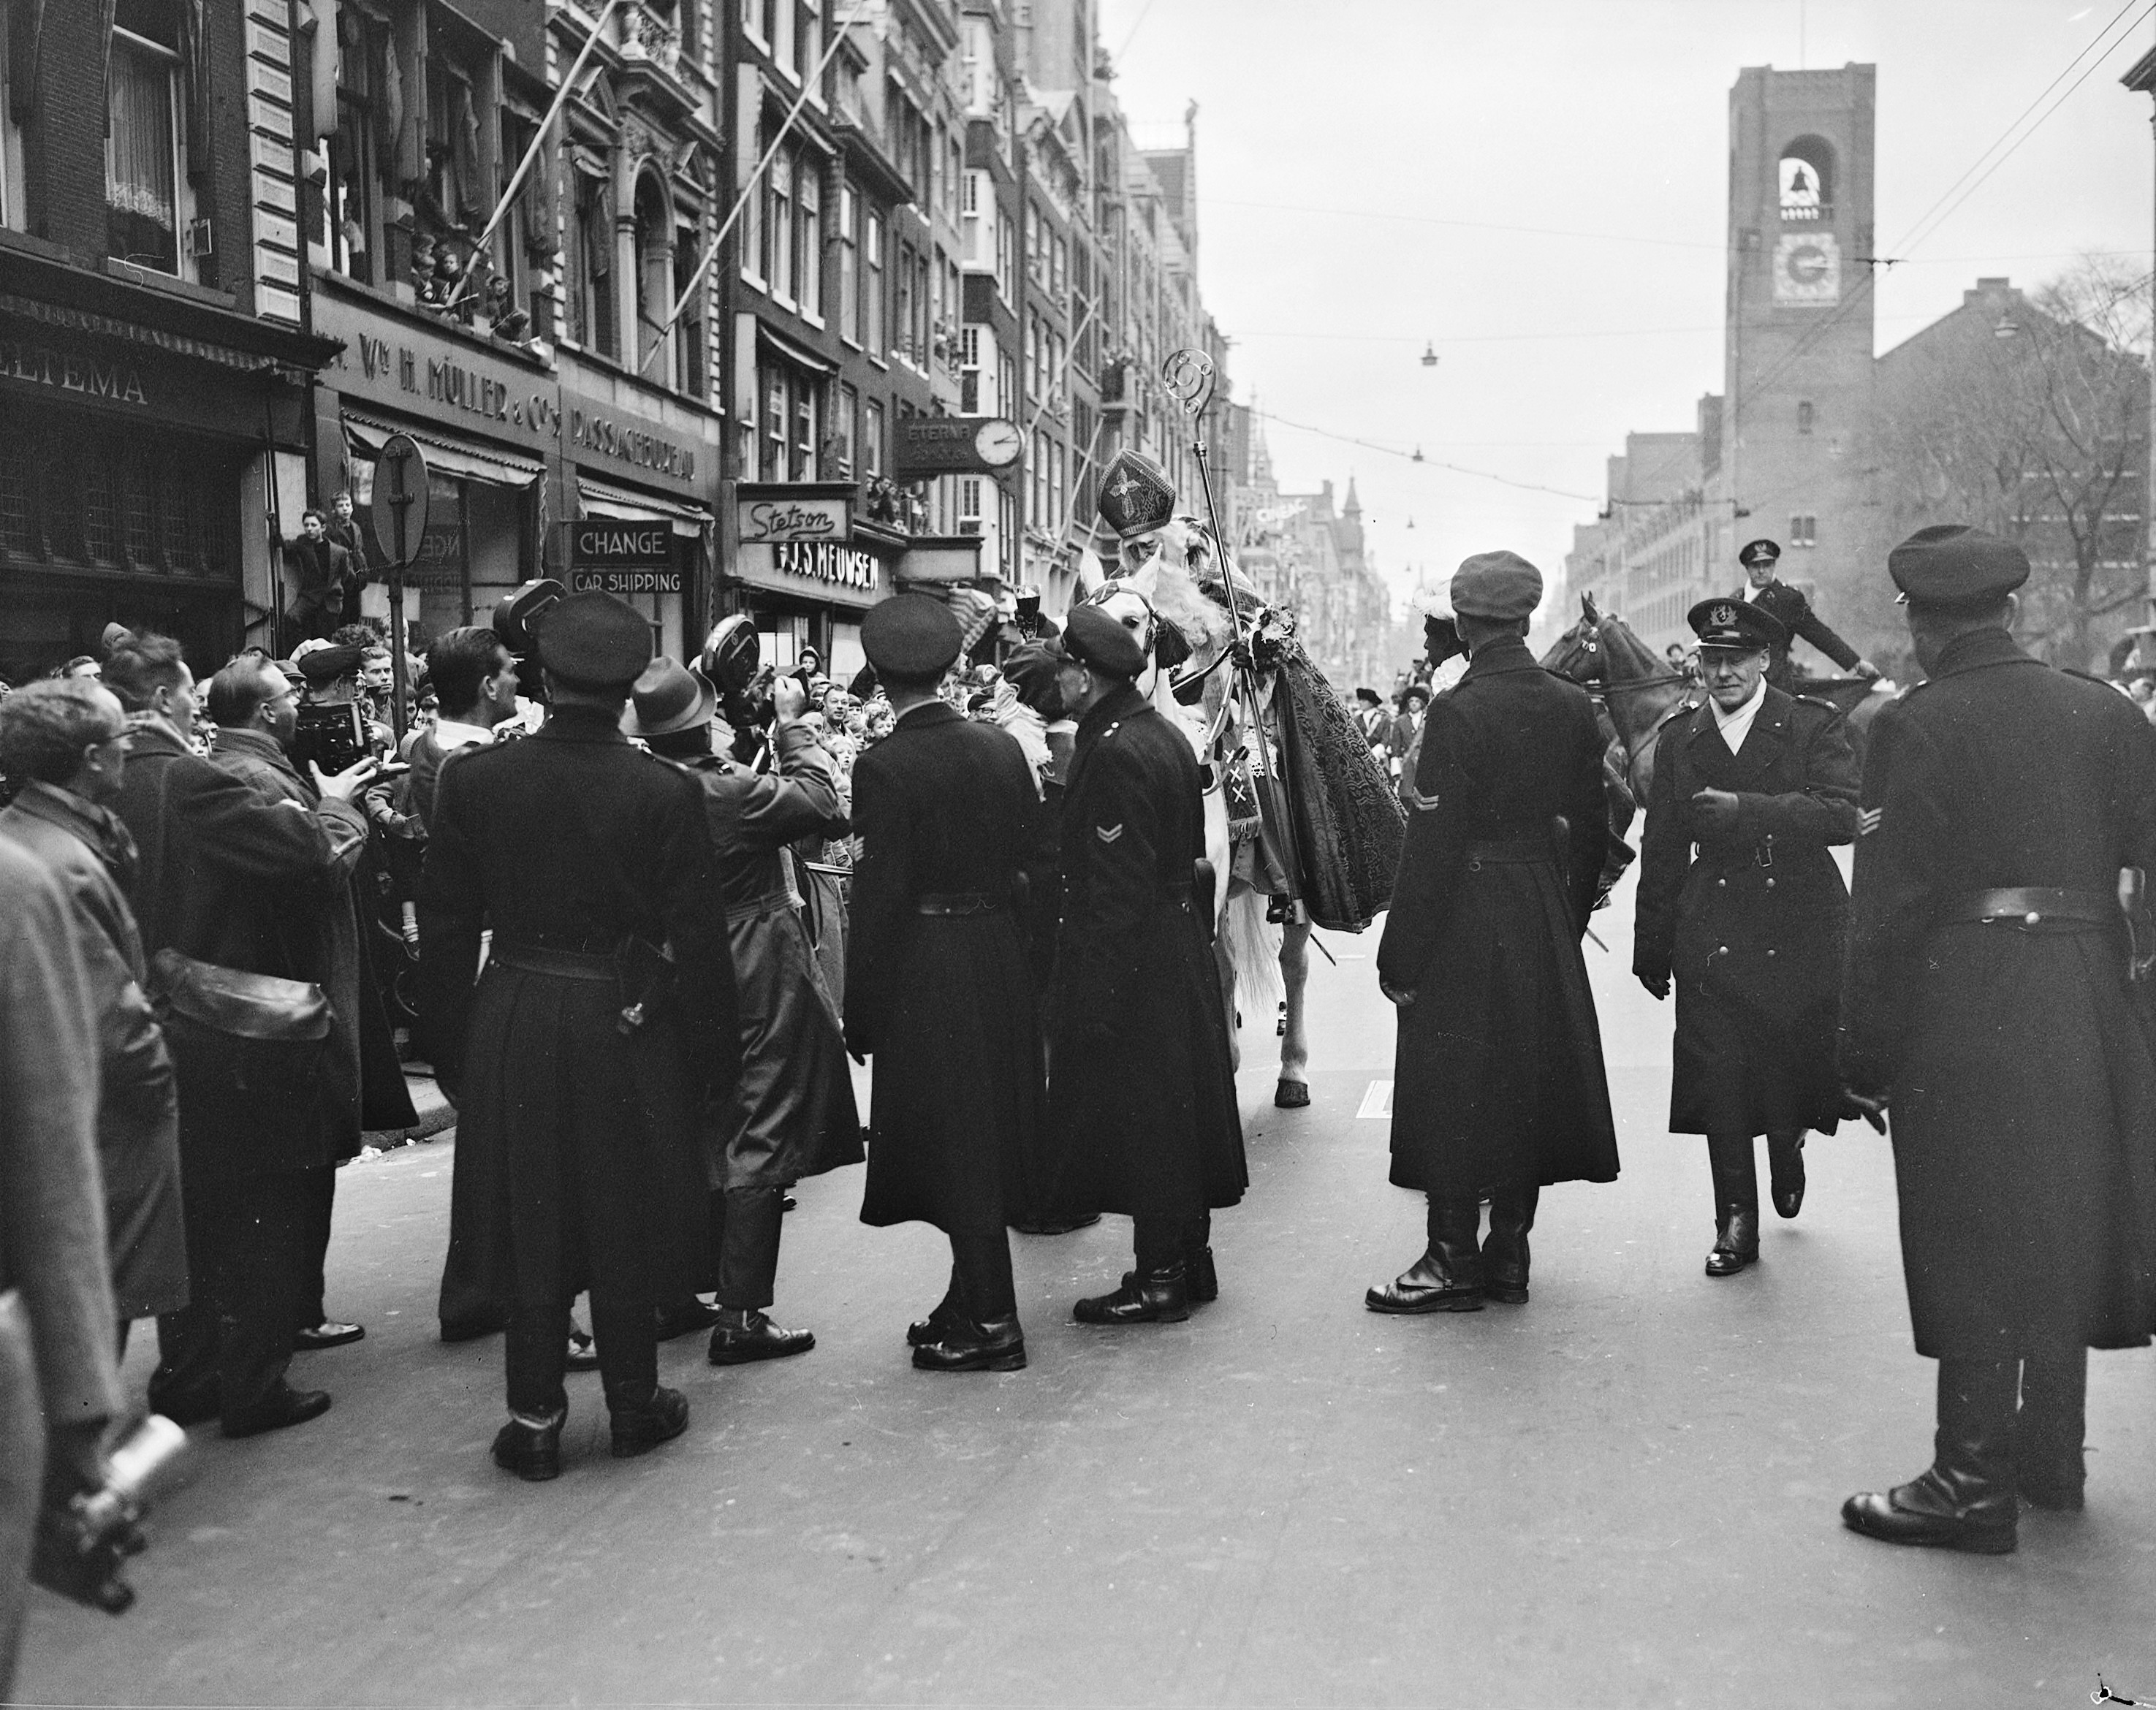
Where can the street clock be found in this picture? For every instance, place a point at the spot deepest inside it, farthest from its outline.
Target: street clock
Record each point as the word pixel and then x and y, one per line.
pixel 998 442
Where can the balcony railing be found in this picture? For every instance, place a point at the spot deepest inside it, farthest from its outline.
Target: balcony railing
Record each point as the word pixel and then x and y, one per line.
pixel 645 35
pixel 1806 213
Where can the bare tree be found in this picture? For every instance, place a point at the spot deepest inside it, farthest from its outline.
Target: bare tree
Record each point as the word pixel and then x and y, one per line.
pixel 2027 415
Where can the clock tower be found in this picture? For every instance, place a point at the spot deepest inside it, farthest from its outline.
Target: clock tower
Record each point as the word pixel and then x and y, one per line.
pixel 1797 346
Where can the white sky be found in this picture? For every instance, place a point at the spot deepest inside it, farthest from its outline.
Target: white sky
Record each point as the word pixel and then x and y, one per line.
pixel 1333 138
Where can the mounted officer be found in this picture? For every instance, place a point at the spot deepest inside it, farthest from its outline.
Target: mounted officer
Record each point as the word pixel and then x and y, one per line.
pixel 1990 1000
pixel 1763 785
pixel 1143 1100
pixel 1788 607
pixel 605 1019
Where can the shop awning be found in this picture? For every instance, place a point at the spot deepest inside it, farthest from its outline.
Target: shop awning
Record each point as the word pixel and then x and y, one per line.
pixel 601 498
pixel 792 351
pixel 366 435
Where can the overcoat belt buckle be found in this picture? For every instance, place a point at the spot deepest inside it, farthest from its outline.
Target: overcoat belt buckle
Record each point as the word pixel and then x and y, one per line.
pixel 1764 854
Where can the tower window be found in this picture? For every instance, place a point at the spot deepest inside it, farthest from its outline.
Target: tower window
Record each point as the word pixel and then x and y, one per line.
pixel 1805 176
pixel 1803 531
pixel 1805 416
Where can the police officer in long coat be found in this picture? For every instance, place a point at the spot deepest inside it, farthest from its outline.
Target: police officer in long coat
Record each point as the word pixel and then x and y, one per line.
pixel 604 1018
pixel 938 990
pixel 793 1113
pixel 1789 608
pixel 1987 1003
pixel 1142 1095
pixel 1499 1086
pixel 1763 785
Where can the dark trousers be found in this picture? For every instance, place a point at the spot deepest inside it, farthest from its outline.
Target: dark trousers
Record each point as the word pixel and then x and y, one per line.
pixel 247 1256
pixel 538 1346
pixel 321 1208
pixel 981 1283
pixel 1162 1243
pixel 745 1229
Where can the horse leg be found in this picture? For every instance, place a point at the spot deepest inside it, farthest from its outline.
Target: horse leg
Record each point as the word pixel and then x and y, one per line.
pixel 1226 965
pixel 1293 1091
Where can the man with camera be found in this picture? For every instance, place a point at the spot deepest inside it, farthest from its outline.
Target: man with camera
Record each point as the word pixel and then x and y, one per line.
pixel 232 891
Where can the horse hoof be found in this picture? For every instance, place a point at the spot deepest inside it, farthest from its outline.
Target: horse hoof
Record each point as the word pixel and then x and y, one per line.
pixel 1292 1095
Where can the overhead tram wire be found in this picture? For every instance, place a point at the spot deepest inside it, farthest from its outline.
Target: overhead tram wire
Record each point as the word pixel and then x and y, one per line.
pixel 1425 462
pixel 1920 232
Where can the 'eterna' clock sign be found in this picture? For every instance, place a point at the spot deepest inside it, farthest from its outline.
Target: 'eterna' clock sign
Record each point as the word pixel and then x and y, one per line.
pixel 929 445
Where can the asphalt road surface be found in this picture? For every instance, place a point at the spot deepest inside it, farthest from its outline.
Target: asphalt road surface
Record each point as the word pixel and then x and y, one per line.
pixel 1625 1493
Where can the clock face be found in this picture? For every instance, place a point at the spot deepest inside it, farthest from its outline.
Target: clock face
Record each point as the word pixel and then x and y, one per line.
pixel 1807 267
pixel 997 442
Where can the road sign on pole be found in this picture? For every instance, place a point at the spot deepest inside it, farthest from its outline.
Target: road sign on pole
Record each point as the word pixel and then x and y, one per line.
pixel 400 526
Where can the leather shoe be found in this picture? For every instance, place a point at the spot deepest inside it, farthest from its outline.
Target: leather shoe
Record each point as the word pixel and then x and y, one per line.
pixel 284 1406
pixel 532 1452
pixel 1201 1276
pixel 681 1316
pixel 998 1346
pixel 936 1325
pixel 1736 1244
pixel 1924 1512
pixel 310 1337
pixel 1152 1298
pixel 738 1338
pixel 1785 1164
pixel 1427 1287
pixel 640 1423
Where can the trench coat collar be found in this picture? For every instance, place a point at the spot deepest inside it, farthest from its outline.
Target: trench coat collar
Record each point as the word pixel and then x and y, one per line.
pixel 261 746
pixel 1119 703
pixel 1980 649
pixel 582 724
pixel 98 828
pixel 153 733
pixel 1764 744
pixel 922 714
pixel 1508 654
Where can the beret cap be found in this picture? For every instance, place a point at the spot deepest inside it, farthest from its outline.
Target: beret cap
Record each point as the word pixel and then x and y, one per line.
pixel 325 665
pixel 1951 564
pixel 911 635
pixel 595 638
pixel 1093 638
pixel 1500 585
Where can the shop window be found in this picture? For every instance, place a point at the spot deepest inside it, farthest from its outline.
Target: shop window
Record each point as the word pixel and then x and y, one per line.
pixel 850 263
pixel 147 205
pixel 778 226
pixel 872 414
pixel 111 498
pixel 17 513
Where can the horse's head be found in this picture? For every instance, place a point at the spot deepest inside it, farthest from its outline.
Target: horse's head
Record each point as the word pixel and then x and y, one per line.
pixel 1576 655
pixel 1182 573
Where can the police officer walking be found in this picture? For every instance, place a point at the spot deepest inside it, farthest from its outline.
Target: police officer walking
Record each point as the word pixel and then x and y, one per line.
pixel 1762 784
pixel 1142 1095
pixel 937 985
pixel 1788 607
pixel 606 1016
pixel 1988 1002
pixel 1499 1085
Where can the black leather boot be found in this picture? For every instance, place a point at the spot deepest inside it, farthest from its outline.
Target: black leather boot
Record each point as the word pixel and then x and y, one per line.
pixel 1156 1296
pixel 531 1452
pixel 1201 1276
pixel 2049 1465
pixel 1965 1500
pixel 644 1416
pixel 1505 1249
pixel 1448 1277
pixel 1736 1205
pixel 960 1345
pixel 1785 1171
pixel 946 1314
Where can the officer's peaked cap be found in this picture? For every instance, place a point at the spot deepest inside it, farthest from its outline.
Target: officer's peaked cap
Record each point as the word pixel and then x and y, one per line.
pixel 1501 585
pixel 910 636
pixel 1951 564
pixel 1735 623
pixel 1093 638
pixel 1759 551
pixel 595 639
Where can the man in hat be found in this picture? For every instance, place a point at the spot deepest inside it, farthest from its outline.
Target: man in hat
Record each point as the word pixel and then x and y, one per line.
pixel 605 1017
pixel 1762 785
pixel 1788 607
pixel 938 989
pixel 1990 1000
pixel 1142 1101
pixel 793 1114
pixel 1400 736
pixel 1499 1086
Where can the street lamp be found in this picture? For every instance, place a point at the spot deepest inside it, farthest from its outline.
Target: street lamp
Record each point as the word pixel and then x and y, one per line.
pixel 1430 354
